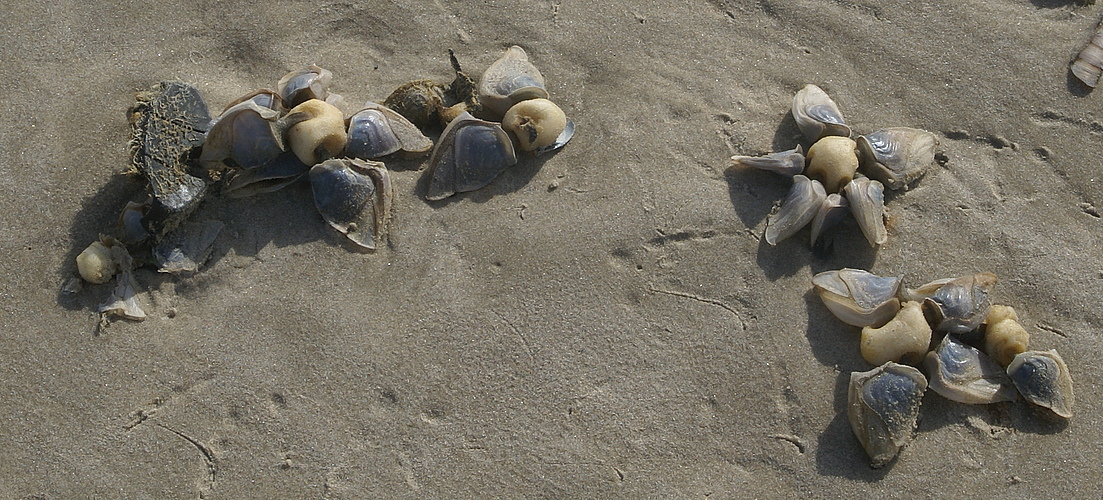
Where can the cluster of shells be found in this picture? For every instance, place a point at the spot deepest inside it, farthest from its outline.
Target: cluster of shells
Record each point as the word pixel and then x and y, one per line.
pixel 268 139
pixel 840 175
pixel 972 351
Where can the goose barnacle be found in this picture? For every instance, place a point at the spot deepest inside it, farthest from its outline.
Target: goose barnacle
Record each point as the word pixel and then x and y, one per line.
pixel 1004 337
pixel 961 305
pixel 867 203
pixel 315 131
pixel 817 115
pixel 508 81
pixel 858 297
pixel 897 156
pixel 883 409
pixel 471 153
pixel 1043 378
pixel 787 163
pixel 354 197
pixel 377 131
pixel 904 339
pixel 961 373
pixel 798 209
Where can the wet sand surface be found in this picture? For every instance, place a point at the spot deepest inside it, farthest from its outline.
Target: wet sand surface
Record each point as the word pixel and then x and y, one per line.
pixel 603 322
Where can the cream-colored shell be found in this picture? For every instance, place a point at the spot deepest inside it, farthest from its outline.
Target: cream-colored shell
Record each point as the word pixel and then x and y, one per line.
pixel 96 265
pixel 833 161
pixel 536 123
pixel 904 339
pixel 315 131
pixel 1004 337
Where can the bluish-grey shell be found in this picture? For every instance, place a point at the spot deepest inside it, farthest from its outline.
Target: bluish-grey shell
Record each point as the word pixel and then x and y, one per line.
pixel 377 131
pixel 469 155
pixel 883 409
pixel 354 197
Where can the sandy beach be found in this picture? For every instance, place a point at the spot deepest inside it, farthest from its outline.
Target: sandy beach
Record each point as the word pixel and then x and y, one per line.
pixel 603 322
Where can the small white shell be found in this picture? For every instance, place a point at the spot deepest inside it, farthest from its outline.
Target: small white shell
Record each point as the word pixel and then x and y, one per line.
pixel 817 115
pixel 798 209
pixel 858 297
pixel 961 305
pixel 1088 66
pixel 510 80
pixel 833 209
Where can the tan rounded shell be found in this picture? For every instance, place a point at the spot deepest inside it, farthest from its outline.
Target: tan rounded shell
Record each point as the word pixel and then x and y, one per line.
pixel 510 80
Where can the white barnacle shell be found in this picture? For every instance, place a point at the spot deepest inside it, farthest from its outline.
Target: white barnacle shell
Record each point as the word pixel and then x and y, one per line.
pixel 510 80
pixel 798 209
pixel 897 156
pixel 867 203
pixel 787 163
pixel 1088 66
pixel 354 197
pixel 883 409
pixel 1043 378
pixel 961 305
pixel 960 372
pixel 95 264
pixel 817 115
pixel 833 209
pixel 858 297
pixel 904 339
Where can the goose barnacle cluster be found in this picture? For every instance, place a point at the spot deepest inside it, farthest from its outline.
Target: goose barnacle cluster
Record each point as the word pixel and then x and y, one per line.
pixel 838 174
pixel 268 139
pixel 972 351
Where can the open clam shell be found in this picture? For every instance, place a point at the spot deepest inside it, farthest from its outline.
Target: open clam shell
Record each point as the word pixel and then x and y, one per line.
pixel 246 135
pixel 961 305
pixel 883 409
pixel 508 81
pixel 817 115
pixel 471 153
pixel 299 86
pixel 377 131
pixel 798 209
pixel 787 163
pixel 858 297
pixel 1043 378
pixel 867 203
pixel 962 373
pixel 354 197
pixel 897 156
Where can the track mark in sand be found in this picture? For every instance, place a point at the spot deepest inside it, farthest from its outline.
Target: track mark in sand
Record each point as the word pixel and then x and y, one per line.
pixel 517 332
pixel 995 141
pixel 684 235
pixel 619 473
pixel 139 416
pixel 1054 118
pixel 204 451
pixel 706 300
pixel 791 439
pixel 1089 209
pixel 408 471
pixel 1052 329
